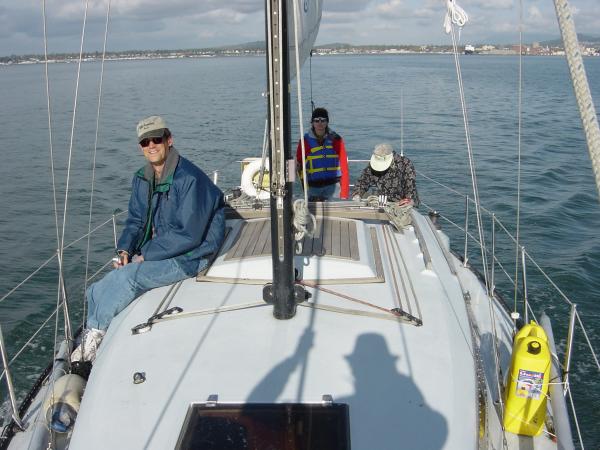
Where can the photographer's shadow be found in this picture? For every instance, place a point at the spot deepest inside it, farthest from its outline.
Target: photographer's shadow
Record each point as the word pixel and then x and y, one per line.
pixel 387 410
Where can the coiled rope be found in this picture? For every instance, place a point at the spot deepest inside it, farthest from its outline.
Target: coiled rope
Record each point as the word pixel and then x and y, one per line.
pixel 454 15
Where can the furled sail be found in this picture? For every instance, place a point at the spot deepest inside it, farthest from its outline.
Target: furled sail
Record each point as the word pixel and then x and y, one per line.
pixel 308 15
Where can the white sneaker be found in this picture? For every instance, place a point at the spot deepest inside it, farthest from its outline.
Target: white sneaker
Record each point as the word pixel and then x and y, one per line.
pixel 90 341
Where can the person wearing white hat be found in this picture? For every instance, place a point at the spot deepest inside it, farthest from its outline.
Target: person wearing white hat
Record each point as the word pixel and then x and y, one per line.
pixel 388 174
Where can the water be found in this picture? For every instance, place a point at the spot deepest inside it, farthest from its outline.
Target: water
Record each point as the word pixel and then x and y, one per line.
pixel 216 111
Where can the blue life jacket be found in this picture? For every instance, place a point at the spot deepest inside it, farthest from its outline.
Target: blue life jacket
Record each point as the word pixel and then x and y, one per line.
pixel 322 162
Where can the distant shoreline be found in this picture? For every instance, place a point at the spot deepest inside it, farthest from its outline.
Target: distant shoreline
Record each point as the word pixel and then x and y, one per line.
pixel 30 60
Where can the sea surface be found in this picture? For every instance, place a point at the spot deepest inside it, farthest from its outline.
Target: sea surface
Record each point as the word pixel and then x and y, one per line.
pixel 216 110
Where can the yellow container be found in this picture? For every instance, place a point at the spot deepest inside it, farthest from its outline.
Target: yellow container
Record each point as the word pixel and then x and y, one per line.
pixel 527 389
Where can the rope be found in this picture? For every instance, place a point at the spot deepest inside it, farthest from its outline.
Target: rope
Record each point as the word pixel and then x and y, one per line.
pixel 263 158
pixel 520 123
pixel 354 312
pixel 302 216
pixel 304 222
pixel 452 6
pixel 580 84
pixel 87 252
pixel 394 312
pixel 456 15
pixel 205 312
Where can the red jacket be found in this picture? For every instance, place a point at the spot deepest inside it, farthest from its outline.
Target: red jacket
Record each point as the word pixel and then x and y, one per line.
pixel 339 148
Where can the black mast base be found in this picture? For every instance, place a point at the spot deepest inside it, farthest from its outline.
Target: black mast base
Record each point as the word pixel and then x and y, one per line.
pixel 288 309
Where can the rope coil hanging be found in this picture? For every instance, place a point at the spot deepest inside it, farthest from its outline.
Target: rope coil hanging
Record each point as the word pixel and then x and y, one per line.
pixel 302 215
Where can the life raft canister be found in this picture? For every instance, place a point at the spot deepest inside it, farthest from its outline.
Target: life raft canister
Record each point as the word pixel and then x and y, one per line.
pixel 527 388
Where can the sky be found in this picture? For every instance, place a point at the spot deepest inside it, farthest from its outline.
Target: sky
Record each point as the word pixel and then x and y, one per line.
pixel 175 24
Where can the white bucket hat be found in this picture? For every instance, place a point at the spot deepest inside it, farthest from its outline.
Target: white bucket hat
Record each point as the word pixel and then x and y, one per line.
pixel 382 157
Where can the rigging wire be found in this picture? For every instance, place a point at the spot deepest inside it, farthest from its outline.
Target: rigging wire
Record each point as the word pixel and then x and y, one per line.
pixel 457 16
pixel 520 123
pixel 87 253
pixel 302 216
pixel 49 108
pixel 401 122
pixel 60 250
pixel 312 104
pixel 70 158
pixel 54 195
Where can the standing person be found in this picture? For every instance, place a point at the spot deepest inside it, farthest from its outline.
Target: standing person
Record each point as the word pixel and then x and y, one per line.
pixel 390 174
pixel 175 221
pixel 326 160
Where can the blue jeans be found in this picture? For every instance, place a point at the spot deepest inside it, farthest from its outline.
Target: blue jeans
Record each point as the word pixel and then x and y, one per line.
pixel 324 192
pixel 113 293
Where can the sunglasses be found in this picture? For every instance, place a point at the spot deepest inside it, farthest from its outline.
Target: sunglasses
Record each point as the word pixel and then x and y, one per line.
pixel 319 120
pixel 156 140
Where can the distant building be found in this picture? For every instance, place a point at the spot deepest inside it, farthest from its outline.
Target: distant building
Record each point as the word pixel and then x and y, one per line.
pixel 524 50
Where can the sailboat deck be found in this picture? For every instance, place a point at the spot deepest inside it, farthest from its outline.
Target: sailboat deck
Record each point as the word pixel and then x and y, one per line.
pixel 417 379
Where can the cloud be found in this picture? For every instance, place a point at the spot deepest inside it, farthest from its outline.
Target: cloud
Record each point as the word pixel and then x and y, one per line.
pixel 204 23
pixel 489 4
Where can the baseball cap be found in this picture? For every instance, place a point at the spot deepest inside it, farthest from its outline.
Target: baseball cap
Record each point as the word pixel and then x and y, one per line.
pixel 153 126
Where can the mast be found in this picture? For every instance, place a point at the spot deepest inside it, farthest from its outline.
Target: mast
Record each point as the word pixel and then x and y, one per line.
pixel 281 293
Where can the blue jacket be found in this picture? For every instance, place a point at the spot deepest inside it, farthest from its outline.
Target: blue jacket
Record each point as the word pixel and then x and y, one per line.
pixel 182 215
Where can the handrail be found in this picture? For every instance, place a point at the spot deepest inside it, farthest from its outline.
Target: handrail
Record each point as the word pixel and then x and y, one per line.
pixel 526 254
pixel 45 263
pixel 41 327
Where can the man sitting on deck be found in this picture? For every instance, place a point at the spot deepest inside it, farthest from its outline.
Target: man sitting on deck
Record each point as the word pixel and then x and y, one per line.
pixel 175 221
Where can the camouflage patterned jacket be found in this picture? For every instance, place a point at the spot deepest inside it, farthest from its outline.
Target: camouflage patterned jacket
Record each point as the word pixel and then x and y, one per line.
pixel 397 182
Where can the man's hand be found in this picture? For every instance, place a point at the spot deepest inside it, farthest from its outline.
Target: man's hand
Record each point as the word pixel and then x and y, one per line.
pixel 138 258
pixel 405 201
pixel 121 260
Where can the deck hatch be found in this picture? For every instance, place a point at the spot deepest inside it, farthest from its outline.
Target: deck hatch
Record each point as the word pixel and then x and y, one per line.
pixel 257 426
pixel 334 237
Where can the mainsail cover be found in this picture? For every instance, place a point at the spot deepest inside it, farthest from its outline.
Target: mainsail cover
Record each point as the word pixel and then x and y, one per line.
pixel 308 15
